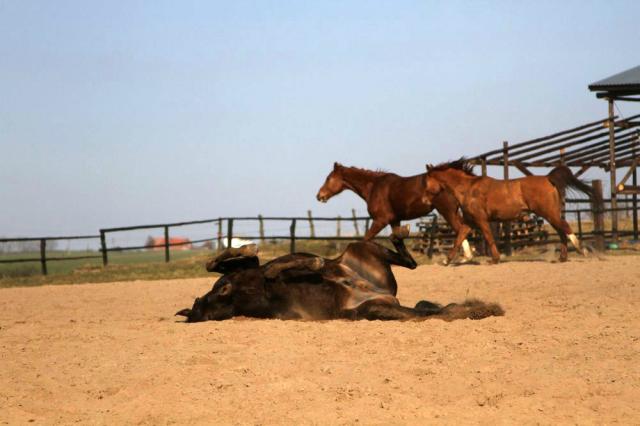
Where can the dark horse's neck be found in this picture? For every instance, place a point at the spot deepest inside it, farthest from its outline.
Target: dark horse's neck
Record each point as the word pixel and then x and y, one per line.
pixel 360 181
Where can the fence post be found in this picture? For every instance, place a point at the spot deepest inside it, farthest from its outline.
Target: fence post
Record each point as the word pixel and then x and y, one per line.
pixel 292 232
pixel 506 224
pixel 261 222
pixel 366 226
pixel 597 209
pixel 579 225
pixel 311 227
pixel 219 248
pixel 103 248
pixel 355 222
pixel 432 236
pixel 166 244
pixel 612 171
pixel 634 200
pixel 338 226
pixel 229 231
pixel 43 255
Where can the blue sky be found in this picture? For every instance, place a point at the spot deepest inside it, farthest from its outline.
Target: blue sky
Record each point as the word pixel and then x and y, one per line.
pixel 121 113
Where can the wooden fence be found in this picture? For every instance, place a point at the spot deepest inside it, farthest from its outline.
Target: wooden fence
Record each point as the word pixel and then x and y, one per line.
pixel 430 235
pixel 227 224
pixel 43 259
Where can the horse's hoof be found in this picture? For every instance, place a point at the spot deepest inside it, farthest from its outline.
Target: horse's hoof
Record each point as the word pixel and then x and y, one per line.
pixel 316 264
pixel 248 250
pixel 445 262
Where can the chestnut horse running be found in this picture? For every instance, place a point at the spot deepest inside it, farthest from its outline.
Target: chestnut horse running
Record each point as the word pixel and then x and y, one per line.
pixel 483 199
pixel 391 198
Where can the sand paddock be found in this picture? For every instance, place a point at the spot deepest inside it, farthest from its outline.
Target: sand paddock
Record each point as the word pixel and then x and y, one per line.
pixel 567 351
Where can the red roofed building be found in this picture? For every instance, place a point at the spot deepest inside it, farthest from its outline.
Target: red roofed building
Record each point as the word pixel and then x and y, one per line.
pixel 154 243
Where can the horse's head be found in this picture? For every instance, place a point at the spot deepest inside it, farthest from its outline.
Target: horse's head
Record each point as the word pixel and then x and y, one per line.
pixel 215 305
pixel 333 185
pixel 432 186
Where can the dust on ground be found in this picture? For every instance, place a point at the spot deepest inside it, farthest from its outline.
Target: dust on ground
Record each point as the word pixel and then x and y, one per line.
pixel 567 351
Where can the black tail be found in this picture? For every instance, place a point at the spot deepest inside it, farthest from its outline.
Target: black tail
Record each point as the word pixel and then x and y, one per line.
pixel 471 308
pixel 562 178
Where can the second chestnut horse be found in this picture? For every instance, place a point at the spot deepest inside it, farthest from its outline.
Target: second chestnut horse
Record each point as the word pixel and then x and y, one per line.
pixel 391 198
pixel 483 199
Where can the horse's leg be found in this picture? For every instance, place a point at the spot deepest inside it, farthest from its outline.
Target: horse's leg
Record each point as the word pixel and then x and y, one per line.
pixel 563 229
pixel 378 310
pixel 572 237
pixel 397 234
pixel 461 237
pixel 453 218
pixel 312 264
pixel 248 250
pixel 375 228
pixel 488 236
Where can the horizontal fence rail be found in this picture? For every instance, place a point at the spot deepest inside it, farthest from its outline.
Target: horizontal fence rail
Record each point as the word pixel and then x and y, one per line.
pixel 224 231
pixel 43 259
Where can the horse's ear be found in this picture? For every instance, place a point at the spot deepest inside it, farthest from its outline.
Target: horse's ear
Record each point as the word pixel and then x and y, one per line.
pixel 336 165
pixel 429 167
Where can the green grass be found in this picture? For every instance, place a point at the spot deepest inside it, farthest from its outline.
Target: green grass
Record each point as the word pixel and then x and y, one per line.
pixel 150 265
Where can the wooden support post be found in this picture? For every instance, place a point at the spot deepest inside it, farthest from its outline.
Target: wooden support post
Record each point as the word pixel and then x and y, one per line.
pixel 634 200
pixel 366 225
pixel 261 230
pixel 292 232
pixel 219 234
pixel 338 226
pixel 612 172
pixel 485 246
pixel 507 224
pixel 103 248
pixel 522 168
pixel 597 209
pixel 579 225
pixel 229 231
pixel 312 229
pixel 43 255
pixel 582 170
pixel 355 222
pixel 432 236
pixel 166 244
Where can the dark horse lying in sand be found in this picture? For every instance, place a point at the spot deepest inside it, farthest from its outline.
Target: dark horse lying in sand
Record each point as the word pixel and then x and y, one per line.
pixel 391 198
pixel 359 284
pixel 483 199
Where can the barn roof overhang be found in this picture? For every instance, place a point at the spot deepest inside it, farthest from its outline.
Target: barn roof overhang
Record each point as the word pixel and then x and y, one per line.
pixel 624 86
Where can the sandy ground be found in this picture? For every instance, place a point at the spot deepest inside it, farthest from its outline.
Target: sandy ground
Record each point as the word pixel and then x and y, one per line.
pixel 567 351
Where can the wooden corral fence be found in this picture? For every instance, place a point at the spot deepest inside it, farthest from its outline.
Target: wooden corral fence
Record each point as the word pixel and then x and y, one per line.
pixel 43 258
pixel 434 236
pixel 226 233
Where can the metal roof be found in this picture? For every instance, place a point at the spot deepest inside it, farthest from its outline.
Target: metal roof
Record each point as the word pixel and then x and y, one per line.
pixel 624 81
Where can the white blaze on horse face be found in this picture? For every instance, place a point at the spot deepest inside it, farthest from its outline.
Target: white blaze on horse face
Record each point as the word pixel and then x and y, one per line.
pixel 466 249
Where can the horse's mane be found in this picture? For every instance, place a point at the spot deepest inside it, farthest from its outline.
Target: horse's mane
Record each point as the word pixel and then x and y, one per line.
pixel 461 164
pixel 366 172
